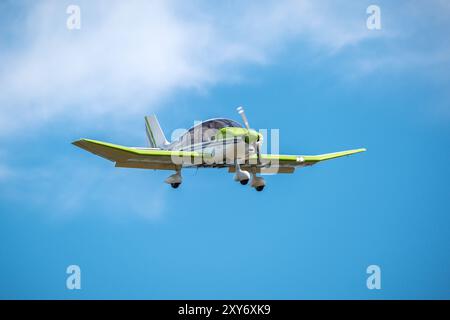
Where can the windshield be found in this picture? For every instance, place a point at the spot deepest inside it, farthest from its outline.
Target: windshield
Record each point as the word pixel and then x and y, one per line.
pixel 205 131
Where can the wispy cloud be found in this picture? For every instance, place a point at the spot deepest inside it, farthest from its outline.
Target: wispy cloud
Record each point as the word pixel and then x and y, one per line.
pixel 130 55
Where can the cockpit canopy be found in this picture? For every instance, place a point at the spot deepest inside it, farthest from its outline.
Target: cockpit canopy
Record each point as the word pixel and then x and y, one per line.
pixel 216 124
pixel 205 131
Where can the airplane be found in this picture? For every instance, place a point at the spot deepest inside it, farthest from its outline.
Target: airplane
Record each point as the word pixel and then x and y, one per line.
pixel 214 143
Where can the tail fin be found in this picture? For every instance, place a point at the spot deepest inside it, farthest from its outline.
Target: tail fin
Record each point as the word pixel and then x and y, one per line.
pixel 155 134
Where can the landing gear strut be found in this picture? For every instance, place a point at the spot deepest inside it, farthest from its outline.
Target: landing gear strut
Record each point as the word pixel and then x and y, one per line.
pixel 241 175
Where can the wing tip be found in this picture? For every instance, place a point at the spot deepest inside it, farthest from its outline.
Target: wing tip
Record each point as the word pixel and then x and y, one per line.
pixel 85 140
pixel 80 142
pixel 77 142
pixel 354 151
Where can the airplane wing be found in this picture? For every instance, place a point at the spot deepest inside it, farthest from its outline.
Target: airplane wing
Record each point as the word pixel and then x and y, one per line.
pixel 276 163
pixel 153 158
pixel 145 158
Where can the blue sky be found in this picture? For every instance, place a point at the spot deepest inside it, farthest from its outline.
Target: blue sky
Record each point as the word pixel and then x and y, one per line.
pixel 310 69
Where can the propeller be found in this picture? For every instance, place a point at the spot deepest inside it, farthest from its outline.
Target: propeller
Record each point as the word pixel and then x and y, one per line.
pixel 256 144
pixel 241 111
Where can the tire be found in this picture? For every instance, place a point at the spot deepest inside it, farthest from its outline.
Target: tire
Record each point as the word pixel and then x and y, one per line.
pixel 244 182
pixel 175 185
pixel 259 188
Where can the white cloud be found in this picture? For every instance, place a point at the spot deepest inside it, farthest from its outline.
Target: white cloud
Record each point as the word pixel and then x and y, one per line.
pixel 128 56
pixel 131 55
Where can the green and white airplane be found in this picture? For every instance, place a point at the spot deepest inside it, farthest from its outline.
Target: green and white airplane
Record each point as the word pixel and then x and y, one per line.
pixel 214 143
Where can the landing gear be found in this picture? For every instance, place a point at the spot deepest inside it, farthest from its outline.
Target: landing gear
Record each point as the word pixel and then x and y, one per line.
pixel 257 182
pixel 175 179
pixel 244 177
pixel 241 175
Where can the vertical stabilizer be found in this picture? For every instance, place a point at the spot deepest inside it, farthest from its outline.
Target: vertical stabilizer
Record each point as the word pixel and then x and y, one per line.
pixel 155 135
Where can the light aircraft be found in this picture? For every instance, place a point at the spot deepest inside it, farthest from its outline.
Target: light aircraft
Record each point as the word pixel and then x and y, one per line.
pixel 214 143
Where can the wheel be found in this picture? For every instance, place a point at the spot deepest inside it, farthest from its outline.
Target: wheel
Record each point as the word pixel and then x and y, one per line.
pixel 244 182
pixel 175 185
pixel 259 188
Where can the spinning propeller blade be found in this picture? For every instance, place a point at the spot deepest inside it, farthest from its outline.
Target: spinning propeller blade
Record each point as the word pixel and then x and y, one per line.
pixel 256 144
